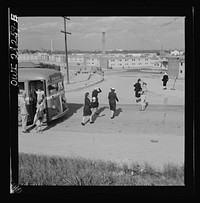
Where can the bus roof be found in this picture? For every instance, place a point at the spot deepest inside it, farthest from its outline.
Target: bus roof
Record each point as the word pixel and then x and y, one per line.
pixel 35 73
pixel 28 64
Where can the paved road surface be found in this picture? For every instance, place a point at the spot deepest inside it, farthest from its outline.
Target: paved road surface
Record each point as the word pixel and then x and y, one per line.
pixel 155 136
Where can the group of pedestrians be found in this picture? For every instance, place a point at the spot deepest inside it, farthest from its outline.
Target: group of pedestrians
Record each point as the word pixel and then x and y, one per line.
pixel 140 89
pixel 91 105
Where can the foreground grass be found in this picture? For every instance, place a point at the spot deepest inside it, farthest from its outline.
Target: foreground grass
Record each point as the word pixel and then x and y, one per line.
pixel 45 170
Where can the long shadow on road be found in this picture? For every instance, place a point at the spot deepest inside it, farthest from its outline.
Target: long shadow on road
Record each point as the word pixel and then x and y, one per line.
pixel 73 107
pixel 99 112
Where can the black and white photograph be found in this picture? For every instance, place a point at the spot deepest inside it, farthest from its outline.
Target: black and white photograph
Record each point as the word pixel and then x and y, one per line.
pixel 101 99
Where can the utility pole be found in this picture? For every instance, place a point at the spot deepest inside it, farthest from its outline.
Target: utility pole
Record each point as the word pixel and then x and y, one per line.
pixel 66 58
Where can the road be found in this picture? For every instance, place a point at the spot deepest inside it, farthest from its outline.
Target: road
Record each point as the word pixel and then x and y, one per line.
pixel 155 136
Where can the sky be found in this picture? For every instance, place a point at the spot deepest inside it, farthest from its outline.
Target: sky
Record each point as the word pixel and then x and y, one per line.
pixel 126 33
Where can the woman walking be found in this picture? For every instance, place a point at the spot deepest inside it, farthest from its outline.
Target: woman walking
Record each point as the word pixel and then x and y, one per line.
pixel 87 109
pixel 95 93
pixel 112 97
pixel 165 80
pixel 137 89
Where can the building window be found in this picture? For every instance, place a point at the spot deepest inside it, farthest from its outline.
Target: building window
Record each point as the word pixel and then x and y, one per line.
pixel 181 71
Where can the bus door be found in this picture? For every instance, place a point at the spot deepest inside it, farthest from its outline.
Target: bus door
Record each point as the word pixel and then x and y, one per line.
pixel 33 87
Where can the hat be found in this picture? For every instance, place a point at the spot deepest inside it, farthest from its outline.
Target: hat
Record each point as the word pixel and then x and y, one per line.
pixel 96 88
pixel 112 88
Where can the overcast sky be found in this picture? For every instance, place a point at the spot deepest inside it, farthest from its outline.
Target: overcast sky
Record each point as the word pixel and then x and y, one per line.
pixel 121 32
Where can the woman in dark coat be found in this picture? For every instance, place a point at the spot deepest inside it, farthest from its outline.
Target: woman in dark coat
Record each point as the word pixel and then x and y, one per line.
pixel 165 80
pixel 87 109
pixel 95 93
pixel 112 97
pixel 137 90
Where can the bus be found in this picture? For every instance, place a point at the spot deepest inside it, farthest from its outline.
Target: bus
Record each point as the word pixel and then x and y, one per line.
pixel 49 82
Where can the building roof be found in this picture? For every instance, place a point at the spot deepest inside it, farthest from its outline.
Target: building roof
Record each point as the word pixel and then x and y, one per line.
pixel 35 73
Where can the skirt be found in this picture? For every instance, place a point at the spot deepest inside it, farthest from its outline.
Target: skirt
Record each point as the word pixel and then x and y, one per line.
pixel 87 111
pixel 112 106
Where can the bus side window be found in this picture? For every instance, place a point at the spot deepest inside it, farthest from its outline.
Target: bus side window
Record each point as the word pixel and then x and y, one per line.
pixel 52 89
pixel 60 86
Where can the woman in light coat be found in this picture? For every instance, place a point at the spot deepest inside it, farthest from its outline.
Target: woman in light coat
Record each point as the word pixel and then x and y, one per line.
pixel 143 93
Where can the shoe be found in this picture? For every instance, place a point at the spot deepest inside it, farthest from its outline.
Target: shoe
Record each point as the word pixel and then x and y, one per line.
pixel 91 122
pixel 112 117
pixel 25 131
pixel 83 124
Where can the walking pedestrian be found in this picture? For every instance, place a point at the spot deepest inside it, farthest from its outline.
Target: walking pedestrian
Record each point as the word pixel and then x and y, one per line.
pixel 39 115
pixel 137 89
pixel 112 97
pixel 95 93
pixel 143 93
pixel 165 80
pixel 87 109
pixel 23 112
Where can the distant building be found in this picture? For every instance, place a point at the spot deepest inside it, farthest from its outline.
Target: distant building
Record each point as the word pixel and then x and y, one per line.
pixel 181 73
pixel 135 62
pixel 176 67
pixel 103 62
pixel 175 53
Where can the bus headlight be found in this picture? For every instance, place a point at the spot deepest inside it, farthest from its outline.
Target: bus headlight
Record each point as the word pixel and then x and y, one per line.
pixel 53 107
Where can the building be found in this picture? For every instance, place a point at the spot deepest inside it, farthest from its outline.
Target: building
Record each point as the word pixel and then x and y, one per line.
pixel 135 62
pixel 175 53
pixel 176 67
pixel 75 59
pixel 181 74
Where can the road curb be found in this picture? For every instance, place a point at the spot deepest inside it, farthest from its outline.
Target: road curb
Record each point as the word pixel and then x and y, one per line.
pixel 81 88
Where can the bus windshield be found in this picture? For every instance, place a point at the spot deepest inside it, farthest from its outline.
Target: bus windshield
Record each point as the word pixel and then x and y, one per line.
pixel 55 87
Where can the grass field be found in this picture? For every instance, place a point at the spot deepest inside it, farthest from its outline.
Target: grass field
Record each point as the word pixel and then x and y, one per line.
pixel 46 170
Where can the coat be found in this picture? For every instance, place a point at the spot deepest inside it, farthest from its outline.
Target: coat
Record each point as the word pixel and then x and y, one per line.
pixel 165 79
pixel 95 94
pixel 112 97
pixel 87 107
pixel 137 89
